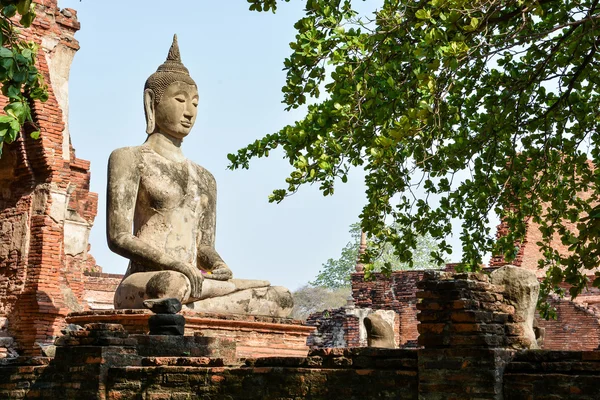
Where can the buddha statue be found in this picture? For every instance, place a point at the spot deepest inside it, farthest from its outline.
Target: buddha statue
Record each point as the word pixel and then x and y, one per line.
pixel 161 213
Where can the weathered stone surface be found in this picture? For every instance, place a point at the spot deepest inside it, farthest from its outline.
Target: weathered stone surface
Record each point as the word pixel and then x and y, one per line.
pixel 275 301
pixel 379 332
pixel 163 306
pixel 151 346
pixel 171 204
pixel 521 290
pixel 166 324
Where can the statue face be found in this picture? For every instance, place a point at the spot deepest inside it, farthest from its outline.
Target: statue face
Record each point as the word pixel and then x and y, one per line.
pixel 176 113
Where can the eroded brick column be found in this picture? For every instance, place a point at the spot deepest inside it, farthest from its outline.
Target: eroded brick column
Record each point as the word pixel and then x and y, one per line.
pixel 46 209
pixel 463 331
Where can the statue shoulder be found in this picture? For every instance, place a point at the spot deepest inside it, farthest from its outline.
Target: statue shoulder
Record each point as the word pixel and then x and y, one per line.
pixel 124 152
pixel 124 157
pixel 203 173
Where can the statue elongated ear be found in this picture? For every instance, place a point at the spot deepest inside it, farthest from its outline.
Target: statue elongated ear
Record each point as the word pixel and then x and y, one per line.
pixel 149 110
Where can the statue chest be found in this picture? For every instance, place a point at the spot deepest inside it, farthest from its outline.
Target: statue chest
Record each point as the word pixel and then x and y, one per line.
pixel 166 187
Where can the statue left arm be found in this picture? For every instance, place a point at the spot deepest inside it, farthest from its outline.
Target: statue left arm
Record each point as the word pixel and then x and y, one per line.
pixel 208 259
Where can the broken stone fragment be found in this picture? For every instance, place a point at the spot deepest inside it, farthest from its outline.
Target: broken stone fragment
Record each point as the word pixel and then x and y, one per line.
pixel 48 350
pixel 71 328
pixel 379 332
pixel 521 291
pixel 163 306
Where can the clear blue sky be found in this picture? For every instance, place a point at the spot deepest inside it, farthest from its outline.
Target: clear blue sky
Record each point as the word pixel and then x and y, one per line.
pixel 236 58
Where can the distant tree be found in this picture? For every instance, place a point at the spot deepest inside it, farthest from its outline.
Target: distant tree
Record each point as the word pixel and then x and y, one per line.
pixel 311 299
pixel 336 273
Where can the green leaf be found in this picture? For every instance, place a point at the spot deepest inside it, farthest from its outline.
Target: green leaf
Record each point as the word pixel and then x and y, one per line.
pixel 423 14
pixel 23 6
pixel 13 92
pixel 27 19
pixel 6 62
pixel 18 110
pixel 9 11
pixel 4 52
pixel 6 119
pixel 27 54
pixel 20 76
pixel 35 135
pixel 15 126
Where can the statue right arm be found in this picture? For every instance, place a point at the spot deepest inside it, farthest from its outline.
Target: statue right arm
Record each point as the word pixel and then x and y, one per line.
pixel 123 184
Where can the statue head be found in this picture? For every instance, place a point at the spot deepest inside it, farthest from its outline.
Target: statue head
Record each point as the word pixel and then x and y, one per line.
pixel 171 97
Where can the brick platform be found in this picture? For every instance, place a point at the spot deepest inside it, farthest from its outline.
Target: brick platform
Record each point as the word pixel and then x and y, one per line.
pixel 118 372
pixel 465 333
pixel 255 336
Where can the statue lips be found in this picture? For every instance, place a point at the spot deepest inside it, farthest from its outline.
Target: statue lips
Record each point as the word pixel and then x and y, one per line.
pixel 186 124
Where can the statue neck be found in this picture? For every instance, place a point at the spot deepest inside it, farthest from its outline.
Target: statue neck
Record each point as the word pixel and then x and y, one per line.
pixel 166 146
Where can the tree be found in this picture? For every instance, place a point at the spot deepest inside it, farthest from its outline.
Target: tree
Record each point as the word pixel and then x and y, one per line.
pixel 335 274
pixel 503 92
pixel 21 81
pixel 311 299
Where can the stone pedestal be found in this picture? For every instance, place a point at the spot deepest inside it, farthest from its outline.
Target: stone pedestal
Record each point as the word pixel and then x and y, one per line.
pixel 254 336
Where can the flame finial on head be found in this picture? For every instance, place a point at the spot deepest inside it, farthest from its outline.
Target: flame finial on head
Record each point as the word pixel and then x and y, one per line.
pixel 173 62
pixel 172 70
pixel 174 54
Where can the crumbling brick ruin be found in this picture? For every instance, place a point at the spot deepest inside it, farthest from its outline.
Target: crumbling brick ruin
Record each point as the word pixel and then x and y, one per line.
pixel 450 345
pixel 577 326
pixel 465 354
pixel 46 209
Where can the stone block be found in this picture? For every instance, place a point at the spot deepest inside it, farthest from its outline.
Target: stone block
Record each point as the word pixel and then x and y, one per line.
pixel 166 324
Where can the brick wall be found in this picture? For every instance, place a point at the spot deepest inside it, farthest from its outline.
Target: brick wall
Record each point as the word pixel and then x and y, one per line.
pixel 397 293
pixel 575 319
pixel 529 253
pixel 117 372
pixel 99 290
pixel 576 328
pixel 46 209
pixel 553 375
pixel 324 374
pixel 334 328
pixel 465 328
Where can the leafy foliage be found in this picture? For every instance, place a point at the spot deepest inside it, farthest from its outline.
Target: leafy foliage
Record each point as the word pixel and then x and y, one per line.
pixel 335 274
pixel 503 92
pixel 21 80
pixel 312 299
